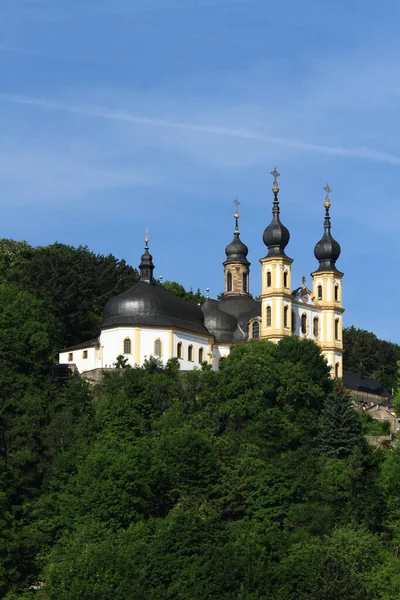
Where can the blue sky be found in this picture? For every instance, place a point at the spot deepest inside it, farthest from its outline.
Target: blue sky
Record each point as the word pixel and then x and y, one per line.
pixel 117 114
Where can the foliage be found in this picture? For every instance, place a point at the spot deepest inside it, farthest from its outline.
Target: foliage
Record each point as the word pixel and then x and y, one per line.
pixel 178 289
pixel 363 351
pixel 73 282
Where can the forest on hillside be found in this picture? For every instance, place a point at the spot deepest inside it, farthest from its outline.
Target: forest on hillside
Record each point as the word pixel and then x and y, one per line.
pixel 253 483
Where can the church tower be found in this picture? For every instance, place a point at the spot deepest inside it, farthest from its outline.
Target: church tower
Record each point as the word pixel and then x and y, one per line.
pixel 236 265
pixel 327 290
pixel 276 268
pixel 146 266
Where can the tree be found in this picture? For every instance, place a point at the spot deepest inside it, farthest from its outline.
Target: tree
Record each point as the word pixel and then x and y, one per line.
pixel 179 290
pixel 74 282
pixel 339 426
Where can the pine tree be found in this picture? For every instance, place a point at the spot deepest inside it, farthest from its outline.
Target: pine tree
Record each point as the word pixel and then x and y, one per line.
pixel 339 427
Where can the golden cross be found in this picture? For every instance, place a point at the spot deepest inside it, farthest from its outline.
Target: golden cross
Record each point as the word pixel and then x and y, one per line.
pixel 327 190
pixel 146 239
pixel 275 175
pixel 236 202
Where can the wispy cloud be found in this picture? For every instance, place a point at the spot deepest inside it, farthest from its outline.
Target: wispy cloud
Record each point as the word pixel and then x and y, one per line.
pixel 100 112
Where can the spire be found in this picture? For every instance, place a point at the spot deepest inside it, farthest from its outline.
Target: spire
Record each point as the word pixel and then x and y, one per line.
pixel 276 236
pixel 236 251
pixel 146 266
pixel 327 250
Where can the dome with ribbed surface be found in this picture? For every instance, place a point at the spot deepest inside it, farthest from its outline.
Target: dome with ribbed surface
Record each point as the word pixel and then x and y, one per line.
pixel 152 304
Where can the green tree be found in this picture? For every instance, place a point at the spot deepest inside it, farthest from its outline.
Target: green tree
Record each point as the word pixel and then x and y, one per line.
pixel 339 426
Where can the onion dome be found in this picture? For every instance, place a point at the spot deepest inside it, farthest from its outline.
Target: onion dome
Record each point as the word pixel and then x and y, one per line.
pixel 236 251
pixel 327 250
pixel 276 236
pixel 146 266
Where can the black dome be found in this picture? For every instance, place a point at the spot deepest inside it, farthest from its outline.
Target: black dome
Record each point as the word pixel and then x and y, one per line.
pixel 152 304
pixel 236 251
pixel 219 323
pixel 327 250
pixel 276 236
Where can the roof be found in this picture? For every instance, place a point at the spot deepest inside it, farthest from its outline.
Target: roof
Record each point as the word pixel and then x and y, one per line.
pixel 88 344
pixel 363 383
pixel 227 319
pixel 152 304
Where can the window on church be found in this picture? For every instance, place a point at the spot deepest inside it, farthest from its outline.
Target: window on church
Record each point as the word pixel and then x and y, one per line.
pixel 304 323
pixel 316 327
pixel 336 329
pixel 127 346
pixel 285 316
pixel 190 353
pixel 179 349
pixel 244 282
pixel 85 354
pixel 229 282
pixel 269 279
pixel 293 322
pixel 70 356
pixel 336 293
pixel 320 292
pixel 201 355
pixel 285 279
pixel 255 330
pixel 337 370
pixel 157 348
pixel 269 316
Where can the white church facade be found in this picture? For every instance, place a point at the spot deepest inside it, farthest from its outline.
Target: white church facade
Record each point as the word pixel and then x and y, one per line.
pixel 148 320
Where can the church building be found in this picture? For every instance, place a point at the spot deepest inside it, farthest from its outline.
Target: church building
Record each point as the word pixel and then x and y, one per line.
pixel 148 320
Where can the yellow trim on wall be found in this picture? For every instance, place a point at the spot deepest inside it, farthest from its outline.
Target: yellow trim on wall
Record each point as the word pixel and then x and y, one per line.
pixel 137 345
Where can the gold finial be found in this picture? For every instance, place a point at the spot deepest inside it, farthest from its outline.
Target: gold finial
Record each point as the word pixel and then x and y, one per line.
pixel 236 202
pixel 146 239
pixel 327 196
pixel 275 175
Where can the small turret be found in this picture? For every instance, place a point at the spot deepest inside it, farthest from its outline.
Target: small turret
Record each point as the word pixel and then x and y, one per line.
pixel 146 266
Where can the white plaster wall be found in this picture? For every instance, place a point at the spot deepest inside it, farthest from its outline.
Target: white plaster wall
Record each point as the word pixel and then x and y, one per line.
pixel 82 364
pixel 112 345
pixel 148 336
pixel 187 339
pixel 220 351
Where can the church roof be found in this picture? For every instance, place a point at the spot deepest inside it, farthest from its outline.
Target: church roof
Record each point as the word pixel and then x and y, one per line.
pixel 227 319
pixel 152 304
pixel 363 383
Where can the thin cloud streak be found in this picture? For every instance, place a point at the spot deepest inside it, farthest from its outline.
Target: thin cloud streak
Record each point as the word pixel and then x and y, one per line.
pixel 93 111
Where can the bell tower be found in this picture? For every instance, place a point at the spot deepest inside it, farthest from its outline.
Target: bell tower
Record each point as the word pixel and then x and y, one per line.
pixel 146 266
pixel 236 265
pixel 327 289
pixel 276 269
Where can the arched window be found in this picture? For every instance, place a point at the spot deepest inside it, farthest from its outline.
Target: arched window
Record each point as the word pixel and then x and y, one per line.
pixel 127 346
pixel 285 279
pixel 229 282
pixel 337 370
pixel 179 349
pixel 201 355
pixel 157 348
pixel 269 280
pixel 336 293
pixel 285 316
pixel 269 316
pixel 244 282
pixel 293 322
pixel 190 353
pixel 336 329
pixel 320 292
pixel 255 330
pixel 316 327
pixel 304 323
pixel 221 360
